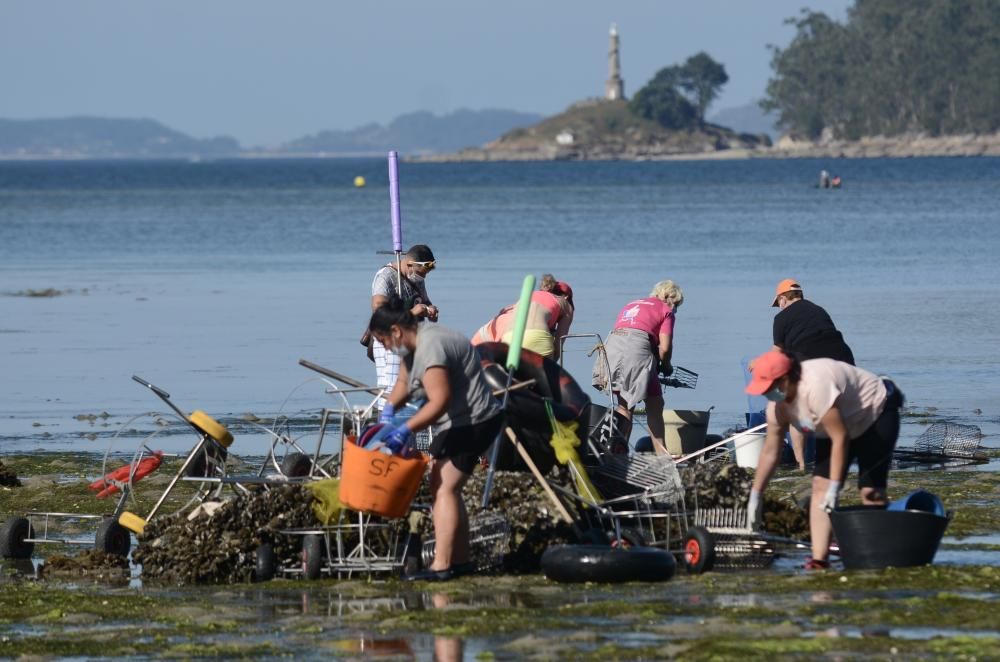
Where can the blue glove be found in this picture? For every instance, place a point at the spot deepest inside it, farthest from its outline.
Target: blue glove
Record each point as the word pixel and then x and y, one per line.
pixel 398 439
pixel 387 413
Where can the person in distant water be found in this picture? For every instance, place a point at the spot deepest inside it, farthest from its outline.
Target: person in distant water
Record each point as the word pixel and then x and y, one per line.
pixel 440 367
pixel 549 318
pixel 824 179
pixel 416 264
pixel 805 329
pixel 639 347
pixel 854 415
pixel 836 182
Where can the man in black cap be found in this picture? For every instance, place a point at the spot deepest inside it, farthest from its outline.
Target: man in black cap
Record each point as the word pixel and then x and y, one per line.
pixel 416 264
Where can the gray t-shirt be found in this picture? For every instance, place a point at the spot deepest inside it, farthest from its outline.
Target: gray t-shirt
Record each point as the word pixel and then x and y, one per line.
pixel 413 292
pixel 472 399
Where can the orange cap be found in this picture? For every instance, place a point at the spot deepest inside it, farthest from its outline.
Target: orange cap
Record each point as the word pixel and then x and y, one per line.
pixel 787 285
pixel 768 367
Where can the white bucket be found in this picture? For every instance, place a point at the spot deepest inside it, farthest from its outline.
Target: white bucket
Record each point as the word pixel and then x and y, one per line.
pixel 748 446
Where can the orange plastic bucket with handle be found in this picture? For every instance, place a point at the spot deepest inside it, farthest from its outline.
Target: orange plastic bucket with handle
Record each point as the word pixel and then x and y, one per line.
pixel 373 482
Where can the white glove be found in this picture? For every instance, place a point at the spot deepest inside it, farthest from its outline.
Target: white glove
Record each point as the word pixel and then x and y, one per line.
pixel 830 500
pixel 753 510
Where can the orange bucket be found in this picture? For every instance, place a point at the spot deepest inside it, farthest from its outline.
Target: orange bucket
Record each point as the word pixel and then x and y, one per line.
pixel 373 482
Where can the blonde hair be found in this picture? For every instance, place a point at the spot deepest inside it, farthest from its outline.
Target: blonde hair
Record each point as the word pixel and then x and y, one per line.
pixel 548 283
pixel 669 292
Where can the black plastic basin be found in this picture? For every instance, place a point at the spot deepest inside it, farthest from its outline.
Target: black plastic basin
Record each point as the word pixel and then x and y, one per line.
pixel 873 537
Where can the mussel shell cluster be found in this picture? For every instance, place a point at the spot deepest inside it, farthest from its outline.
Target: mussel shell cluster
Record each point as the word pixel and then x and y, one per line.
pixel 221 547
pixel 91 563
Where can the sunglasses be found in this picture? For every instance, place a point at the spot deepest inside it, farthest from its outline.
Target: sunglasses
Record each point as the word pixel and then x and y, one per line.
pixel 429 265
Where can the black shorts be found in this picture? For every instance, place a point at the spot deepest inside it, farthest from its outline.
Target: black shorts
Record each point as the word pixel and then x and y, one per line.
pixel 873 449
pixel 465 445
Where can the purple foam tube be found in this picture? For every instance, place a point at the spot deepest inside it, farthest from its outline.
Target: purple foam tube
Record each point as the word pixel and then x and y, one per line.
pixel 397 223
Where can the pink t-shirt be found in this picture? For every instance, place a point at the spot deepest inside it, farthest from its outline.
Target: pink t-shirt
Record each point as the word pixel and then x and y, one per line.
pixel 543 315
pixel 859 395
pixel 650 315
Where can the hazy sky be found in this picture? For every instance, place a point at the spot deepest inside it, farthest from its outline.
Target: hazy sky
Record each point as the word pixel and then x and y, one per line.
pixel 265 71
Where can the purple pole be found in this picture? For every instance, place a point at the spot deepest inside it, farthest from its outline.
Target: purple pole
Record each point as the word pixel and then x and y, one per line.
pixel 397 224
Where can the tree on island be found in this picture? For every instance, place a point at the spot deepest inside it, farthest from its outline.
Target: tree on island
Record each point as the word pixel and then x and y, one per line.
pixel 892 68
pixel 678 96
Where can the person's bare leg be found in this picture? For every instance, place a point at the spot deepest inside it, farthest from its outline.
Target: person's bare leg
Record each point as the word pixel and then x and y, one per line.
pixel 623 418
pixel 654 420
pixel 820 529
pixel 451 524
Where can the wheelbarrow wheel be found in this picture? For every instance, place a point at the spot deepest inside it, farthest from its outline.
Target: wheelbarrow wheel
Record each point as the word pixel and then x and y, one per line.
pixel 699 550
pixel 296 465
pixel 12 539
pixel 628 538
pixel 312 555
pixel 267 563
pixel 112 538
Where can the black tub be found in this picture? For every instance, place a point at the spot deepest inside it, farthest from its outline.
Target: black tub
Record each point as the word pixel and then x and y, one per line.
pixel 873 537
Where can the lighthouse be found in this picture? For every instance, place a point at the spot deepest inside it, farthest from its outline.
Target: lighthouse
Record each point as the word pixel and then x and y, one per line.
pixel 614 88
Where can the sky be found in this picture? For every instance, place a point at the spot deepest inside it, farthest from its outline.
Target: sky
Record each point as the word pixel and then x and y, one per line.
pixel 266 72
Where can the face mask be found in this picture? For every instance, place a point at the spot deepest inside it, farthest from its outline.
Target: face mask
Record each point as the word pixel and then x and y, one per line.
pixel 775 395
pixel 402 351
pixel 416 278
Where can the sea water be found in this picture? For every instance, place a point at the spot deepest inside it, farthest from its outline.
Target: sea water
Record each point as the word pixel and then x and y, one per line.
pixel 212 279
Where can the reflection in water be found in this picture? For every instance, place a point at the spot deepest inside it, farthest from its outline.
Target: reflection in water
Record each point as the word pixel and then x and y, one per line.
pixel 446 649
pixel 369 646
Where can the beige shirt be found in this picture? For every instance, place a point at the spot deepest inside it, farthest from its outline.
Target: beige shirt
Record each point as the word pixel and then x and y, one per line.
pixel 859 395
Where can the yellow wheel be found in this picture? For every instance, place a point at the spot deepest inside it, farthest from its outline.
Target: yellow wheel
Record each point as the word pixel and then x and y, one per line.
pixel 132 522
pixel 211 427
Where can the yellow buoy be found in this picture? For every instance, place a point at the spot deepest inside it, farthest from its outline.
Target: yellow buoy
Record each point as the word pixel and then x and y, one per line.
pixel 359 181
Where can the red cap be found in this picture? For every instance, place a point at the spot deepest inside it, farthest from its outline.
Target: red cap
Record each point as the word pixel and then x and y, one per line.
pixel 768 367
pixel 787 285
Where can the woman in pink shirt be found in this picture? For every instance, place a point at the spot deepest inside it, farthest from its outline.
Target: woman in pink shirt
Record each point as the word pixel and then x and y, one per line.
pixel 549 319
pixel 640 346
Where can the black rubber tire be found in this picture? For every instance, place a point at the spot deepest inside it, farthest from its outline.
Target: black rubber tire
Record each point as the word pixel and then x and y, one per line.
pixel 605 564
pixel 112 538
pixel 699 550
pixel 296 465
pixel 12 539
pixel 312 555
pixel 267 563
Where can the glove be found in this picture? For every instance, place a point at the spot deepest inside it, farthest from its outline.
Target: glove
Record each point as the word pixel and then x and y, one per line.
pixel 754 510
pixel 387 413
pixel 398 439
pixel 830 500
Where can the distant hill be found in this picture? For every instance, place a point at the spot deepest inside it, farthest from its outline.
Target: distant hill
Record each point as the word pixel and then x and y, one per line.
pixel 605 130
pixel 415 133
pixel 99 137
pixel 747 119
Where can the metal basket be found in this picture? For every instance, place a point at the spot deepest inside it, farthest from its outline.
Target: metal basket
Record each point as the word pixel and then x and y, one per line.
pixel 949 439
pixel 489 540
pixel 654 476
pixel 680 378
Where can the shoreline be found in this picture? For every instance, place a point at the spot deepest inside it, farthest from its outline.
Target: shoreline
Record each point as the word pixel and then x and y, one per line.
pixel 911 146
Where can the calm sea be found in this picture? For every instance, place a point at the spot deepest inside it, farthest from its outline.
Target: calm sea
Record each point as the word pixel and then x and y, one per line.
pixel 212 279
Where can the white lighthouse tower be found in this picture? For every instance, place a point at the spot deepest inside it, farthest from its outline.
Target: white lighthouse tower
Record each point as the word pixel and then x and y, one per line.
pixel 614 88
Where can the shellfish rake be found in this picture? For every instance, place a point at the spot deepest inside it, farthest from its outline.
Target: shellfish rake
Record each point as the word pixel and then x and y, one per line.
pixel 680 378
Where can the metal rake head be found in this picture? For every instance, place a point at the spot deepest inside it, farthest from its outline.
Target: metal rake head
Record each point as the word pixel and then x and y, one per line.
pixel 680 378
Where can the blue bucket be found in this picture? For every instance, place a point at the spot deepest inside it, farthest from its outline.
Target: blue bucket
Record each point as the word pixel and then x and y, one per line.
pixel 919 500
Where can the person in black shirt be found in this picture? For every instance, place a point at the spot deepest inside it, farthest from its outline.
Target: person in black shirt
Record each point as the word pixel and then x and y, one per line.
pixel 805 329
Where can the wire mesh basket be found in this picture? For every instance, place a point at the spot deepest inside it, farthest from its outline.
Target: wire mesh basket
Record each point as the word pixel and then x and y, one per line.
pixel 489 540
pixel 949 439
pixel 653 475
pixel 680 378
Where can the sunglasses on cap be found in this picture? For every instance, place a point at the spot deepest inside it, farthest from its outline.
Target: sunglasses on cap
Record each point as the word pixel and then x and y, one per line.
pixel 428 265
